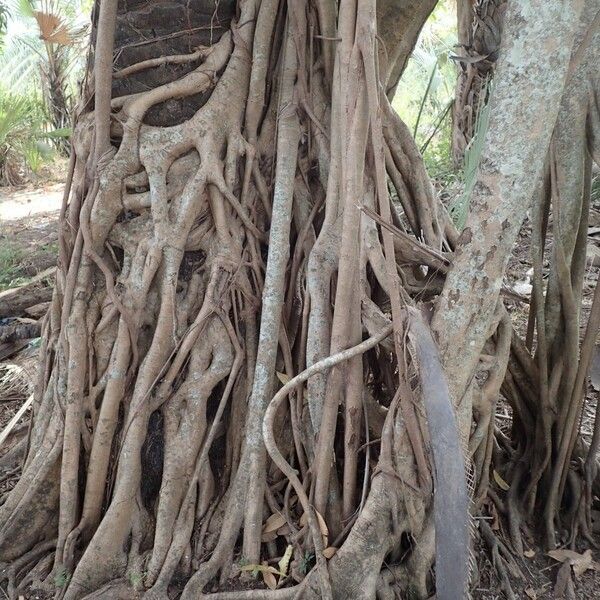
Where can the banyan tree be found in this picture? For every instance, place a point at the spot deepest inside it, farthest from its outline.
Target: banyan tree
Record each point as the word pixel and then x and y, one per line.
pixel 269 348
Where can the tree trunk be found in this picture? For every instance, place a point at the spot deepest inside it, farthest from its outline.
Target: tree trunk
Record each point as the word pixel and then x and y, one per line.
pixel 234 373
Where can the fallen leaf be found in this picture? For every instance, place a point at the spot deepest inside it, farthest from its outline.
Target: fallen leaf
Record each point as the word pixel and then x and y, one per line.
pixel 259 568
pixel 563 554
pixel 329 552
pixel 531 593
pixel 581 566
pixel 501 483
pixel 579 562
pixel 282 377
pixel 321 522
pixel 273 523
pixel 268 577
pixel 270 536
pixel 284 563
pixel 529 553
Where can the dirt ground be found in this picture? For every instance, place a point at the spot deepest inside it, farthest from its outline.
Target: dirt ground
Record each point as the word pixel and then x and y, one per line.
pixel 28 245
pixel 28 231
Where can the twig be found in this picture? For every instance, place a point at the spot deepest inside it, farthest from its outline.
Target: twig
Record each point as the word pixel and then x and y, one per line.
pixel 11 424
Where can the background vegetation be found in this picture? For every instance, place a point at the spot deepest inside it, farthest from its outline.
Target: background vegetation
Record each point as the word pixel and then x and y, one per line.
pixel 42 57
pixel 426 90
pixel 42 54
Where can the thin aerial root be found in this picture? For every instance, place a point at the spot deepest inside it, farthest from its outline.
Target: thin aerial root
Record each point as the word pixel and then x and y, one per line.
pixel 501 560
pixel 173 59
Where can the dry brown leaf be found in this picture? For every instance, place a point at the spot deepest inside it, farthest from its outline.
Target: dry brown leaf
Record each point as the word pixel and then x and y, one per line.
pixel 61 36
pixel 329 552
pixel 529 553
pixel 563 554
pixel 579 562
pixel 581 566
pixel 322 525
pixel 260 568
pixel 531 593
pixel 52 29
pixel 501 483
pixel 268 577
pixel 270 536
pixel 47 22
pixel 273 523
pixel 282 377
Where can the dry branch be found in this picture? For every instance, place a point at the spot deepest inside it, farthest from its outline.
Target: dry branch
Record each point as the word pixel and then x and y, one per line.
pixel 19 331
pixel 14 301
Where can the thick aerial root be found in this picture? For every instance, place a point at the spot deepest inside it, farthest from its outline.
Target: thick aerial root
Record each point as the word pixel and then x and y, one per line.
pixel 25 563
pixel 28 516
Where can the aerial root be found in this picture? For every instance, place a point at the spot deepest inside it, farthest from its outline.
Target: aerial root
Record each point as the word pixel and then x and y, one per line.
pixel 502 559
pixel 24 565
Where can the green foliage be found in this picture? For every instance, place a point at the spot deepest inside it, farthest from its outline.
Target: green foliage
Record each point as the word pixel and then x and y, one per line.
pixel 3 22
pixel 425 92
pixel 459 209
pixel 22 147
pixel 61 578
pixel 10 260
pixel 40 64
pixel 424 100
pixel 306 561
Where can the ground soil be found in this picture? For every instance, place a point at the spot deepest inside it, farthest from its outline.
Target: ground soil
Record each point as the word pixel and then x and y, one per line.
pixel 28 231
pixel 28 245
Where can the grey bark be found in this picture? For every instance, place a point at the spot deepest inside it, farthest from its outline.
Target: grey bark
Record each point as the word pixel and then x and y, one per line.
pixel 515 148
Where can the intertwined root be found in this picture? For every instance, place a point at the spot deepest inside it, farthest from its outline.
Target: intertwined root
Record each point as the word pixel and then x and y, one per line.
pixel 158 447
pixel 152 341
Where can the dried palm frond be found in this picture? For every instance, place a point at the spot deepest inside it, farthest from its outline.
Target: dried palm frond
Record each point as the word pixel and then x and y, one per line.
pixel 15 383
pixel 52 28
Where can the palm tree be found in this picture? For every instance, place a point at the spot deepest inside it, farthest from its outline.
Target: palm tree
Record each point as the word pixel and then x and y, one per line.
pixel 45 55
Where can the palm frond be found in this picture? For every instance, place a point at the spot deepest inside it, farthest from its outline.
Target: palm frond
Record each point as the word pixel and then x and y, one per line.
pixel 459 210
